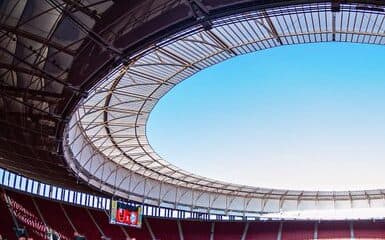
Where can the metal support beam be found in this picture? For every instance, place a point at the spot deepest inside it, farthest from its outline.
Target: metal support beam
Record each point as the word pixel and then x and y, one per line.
pixel 336 5
pixel 149 229
pixel 180 230
pixel 351 228
pixel 198 8
pixel 212 230
pixel 273 30
pixel 31 106
pixel 37 38
pixel 334 26
pixel 95 37
pixel 221 43
pixel 39 95
pixel 77 5
pixel 315 236
pixel 279 235
pixel 37 71
pixel 244 234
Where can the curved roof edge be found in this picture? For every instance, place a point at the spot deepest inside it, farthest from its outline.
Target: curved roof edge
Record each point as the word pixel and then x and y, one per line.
pixel 88 163
pixel 131 169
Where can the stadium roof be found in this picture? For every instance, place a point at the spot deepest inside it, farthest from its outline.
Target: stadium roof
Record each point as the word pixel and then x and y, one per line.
pixel 113 60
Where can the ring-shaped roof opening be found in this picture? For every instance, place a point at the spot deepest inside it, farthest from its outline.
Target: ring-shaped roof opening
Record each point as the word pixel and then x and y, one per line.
pixel 107 143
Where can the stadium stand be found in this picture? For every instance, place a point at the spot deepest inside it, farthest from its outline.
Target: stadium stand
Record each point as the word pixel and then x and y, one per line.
pixel 263 230
pixel 334 230
pixel 369 230
pixel 164 229
pixel 6 223
pixel 116 59
pixel 26 213
pixel 108 230
pixel 196 230
pixel 82 222
pixel 57 220
pixel 142 233
pixel 38 214
pixel 229 231
pixel 298 230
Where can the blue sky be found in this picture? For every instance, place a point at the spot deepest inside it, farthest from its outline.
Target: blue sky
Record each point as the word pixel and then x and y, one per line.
pixel 300 117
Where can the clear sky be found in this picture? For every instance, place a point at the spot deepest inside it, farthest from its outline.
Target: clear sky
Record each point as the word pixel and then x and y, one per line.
pixel 300 117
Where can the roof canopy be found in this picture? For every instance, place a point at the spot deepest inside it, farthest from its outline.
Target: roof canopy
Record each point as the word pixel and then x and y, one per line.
pixel 53 52
pixel 107 143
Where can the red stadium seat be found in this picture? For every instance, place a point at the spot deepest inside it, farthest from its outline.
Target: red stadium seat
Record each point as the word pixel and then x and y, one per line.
pixel 229 231
pixel 111 231
pixel 6 223
pixel 139 233
pixel 369 230
pixel 263 231
pixel 55 218
pixel 82 222
pixel 193 230
pixel 298 230
pixel 334 230
pixel 164 229
pixel 27 215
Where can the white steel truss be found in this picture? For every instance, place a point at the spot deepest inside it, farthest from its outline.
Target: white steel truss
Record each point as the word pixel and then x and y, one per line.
pixel 106 141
